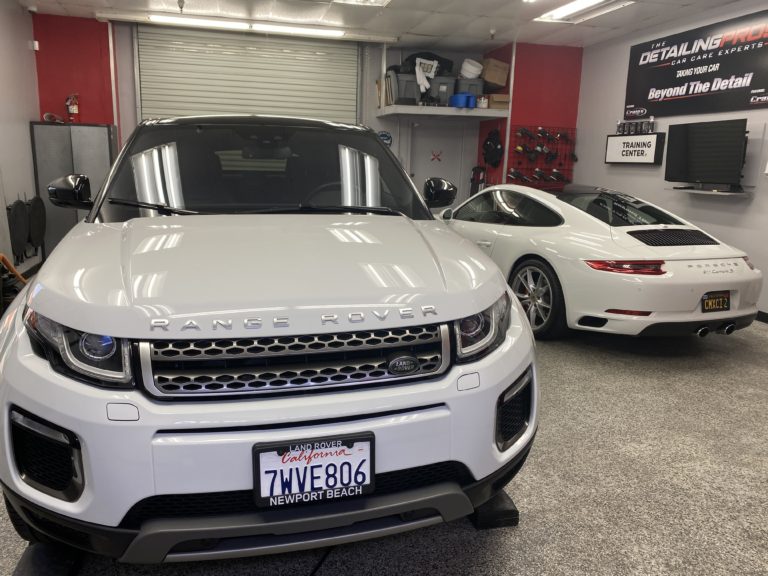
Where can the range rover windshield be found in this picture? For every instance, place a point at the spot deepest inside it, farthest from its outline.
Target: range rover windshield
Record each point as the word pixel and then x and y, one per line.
pixel 616 209
pixel 178 169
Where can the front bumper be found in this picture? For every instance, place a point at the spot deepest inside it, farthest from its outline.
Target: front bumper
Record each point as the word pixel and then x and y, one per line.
pixel 271 532
pixel 187 448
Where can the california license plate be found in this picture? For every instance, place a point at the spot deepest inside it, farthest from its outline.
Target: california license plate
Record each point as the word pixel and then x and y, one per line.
pixel 716 301
pixel 315 470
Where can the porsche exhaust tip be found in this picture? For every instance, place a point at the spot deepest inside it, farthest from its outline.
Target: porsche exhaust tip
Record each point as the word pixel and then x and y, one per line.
pixel 727 329
pixel 702 331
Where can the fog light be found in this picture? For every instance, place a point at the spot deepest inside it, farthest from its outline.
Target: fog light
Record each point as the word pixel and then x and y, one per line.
pixel 97 347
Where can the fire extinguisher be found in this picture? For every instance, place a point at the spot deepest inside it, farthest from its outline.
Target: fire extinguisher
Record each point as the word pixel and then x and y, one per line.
pixel 73 108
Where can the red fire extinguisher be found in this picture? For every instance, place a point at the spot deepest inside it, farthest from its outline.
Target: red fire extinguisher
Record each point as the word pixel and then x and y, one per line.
pixel 73 108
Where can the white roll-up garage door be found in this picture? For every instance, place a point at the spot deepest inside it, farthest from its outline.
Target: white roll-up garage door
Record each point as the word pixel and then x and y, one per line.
pixel 189 72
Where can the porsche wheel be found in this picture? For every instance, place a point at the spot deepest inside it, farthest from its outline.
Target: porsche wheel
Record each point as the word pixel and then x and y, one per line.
pixel 535 284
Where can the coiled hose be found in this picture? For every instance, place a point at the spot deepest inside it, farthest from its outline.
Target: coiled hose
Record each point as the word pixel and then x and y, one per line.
pixel 11 268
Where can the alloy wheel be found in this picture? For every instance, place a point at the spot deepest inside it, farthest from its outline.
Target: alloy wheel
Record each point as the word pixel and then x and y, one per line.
pixel 532 288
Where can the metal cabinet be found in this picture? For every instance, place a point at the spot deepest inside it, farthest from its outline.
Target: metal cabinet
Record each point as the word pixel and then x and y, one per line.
pixel 61 149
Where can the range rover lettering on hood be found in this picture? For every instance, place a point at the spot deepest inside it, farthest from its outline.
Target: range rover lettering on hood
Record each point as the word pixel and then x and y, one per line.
pixel 164 324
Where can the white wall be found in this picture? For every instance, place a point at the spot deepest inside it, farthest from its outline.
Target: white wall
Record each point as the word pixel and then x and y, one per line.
pixel 459 147
pixel 18 95
pixel 125 78
pixel 740 221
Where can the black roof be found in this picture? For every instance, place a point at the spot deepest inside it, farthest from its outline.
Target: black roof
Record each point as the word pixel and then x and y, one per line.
pixel 253 119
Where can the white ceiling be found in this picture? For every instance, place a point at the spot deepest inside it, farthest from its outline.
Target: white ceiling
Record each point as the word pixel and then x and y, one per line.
pixel 434 24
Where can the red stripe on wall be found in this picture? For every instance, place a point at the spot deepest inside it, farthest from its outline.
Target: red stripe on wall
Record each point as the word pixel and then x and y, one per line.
pixel 73 58
pixel 545 92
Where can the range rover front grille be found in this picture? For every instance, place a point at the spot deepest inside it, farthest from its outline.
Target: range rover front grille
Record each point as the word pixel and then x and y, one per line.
pixel 238 366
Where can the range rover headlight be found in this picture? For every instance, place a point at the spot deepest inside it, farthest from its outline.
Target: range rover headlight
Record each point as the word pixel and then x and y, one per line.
pixel 96 358
pixel 481 333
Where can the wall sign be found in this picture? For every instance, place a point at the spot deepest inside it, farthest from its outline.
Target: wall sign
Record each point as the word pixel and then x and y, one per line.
pixel 716 68
pixel 639 149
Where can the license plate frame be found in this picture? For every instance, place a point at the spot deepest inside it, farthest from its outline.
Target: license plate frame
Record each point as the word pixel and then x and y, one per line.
pixel 348 441
pixel 716 306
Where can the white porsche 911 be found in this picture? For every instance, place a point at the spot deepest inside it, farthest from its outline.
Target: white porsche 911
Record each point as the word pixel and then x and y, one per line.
pixel 596 259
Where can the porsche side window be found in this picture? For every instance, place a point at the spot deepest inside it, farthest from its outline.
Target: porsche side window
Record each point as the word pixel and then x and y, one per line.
pixel 476 210
pixel 519 210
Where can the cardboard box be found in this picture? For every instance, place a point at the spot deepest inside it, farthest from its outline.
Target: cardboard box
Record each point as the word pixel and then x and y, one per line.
pixel 495 72
pixel 498 101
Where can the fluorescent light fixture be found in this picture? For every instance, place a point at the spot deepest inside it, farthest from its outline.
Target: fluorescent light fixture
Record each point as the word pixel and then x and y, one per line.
pixel 198 22
pixel 582 10
pixel 239 25
pixel 378 3
pixel 568 9
pixel 602 10
pixel 296 30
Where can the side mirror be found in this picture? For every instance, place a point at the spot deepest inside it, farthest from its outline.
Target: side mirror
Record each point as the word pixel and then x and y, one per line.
pixel 439 193
pixel 447 214
pixel 73 191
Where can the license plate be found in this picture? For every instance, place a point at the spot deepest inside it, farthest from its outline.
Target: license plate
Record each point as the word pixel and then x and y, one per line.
pixel 716 301
pixel 315 470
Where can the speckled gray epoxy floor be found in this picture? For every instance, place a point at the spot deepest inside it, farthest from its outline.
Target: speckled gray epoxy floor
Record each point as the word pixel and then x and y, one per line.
pixel 651 458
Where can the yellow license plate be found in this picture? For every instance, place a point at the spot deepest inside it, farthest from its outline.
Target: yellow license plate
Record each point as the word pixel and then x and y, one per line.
pixel 716 301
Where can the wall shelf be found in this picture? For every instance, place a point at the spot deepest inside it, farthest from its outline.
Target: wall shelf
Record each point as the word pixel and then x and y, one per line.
pixel 704 192
pixel 443 111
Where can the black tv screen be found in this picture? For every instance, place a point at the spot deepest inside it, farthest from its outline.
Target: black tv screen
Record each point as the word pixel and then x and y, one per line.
pixel 706 152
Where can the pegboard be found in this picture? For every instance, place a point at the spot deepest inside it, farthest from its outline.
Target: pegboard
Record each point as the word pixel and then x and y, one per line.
pixel 541 154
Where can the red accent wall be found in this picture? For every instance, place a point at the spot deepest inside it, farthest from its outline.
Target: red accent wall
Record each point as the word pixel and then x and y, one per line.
pixel 545 92
pixel 73 58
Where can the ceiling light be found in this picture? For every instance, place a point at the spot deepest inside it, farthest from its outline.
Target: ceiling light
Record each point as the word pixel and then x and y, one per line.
pixel 239 25
pixel 378 3
pixel 581 10
pixel 570 8
pixel 296 30
pixel 602 10
pixel 198 22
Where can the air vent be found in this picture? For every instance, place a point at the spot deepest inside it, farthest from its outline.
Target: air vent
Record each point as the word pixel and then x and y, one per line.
pixel 673 237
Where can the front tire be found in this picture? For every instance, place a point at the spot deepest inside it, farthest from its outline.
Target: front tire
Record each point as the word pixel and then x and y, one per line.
pixel 538 289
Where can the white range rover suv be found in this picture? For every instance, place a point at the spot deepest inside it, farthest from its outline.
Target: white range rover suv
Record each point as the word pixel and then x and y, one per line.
pixel 259 340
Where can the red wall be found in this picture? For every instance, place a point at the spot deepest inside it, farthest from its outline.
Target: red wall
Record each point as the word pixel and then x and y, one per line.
pixel 545 92
pixel 73 58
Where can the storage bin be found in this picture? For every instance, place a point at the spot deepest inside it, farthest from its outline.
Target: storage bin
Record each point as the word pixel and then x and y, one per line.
pixel 404 88
pixel 471 86
pixel 441 88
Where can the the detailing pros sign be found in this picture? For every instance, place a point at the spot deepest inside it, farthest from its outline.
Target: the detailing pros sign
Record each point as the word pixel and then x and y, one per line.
pixel 716 68
pixel 639 149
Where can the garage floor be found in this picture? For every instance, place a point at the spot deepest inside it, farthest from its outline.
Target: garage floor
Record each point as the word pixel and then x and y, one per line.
pixel 651 458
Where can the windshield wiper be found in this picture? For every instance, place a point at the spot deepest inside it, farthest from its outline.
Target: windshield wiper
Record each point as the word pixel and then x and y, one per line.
pixel 314 209
pixel 162 209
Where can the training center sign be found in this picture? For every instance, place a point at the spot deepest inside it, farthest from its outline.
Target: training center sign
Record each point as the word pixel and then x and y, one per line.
pixel 639 149
pixel 716 68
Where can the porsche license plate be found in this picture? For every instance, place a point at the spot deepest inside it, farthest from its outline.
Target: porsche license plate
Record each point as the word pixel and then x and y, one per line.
pixel 315 470
pixel 716 301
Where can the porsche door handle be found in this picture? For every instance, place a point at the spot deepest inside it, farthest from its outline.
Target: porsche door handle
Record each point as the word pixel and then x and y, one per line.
pixel 484 243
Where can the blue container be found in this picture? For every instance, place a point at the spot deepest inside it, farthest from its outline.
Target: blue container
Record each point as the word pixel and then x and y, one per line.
pixel 471 101
pixel 459 100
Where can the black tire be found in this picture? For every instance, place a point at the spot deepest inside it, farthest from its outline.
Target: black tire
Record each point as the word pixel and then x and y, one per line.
pixel 22 528
pixel 548 316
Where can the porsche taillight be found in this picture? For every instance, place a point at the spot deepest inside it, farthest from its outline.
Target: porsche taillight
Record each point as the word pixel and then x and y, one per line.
pixel 641 267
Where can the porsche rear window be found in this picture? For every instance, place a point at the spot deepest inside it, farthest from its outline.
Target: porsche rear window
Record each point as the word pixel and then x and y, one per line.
pixel 618 209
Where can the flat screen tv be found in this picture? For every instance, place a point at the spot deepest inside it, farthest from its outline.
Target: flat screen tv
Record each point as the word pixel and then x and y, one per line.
pixel 707 152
